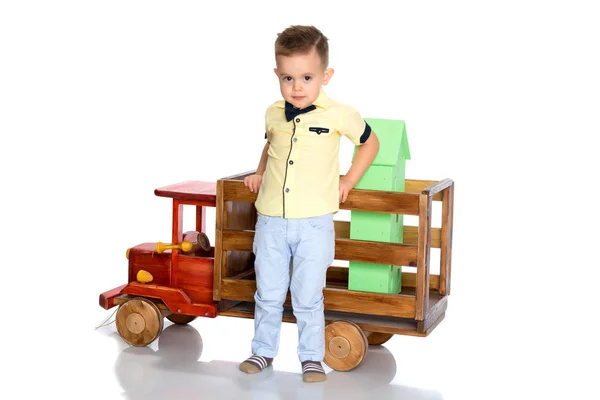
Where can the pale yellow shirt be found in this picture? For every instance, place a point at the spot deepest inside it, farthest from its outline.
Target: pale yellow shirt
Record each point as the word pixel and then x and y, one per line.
pixel 301 179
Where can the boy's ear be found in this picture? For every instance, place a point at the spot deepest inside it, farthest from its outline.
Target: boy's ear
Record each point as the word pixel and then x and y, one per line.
pixel 328 74
pixel 275 70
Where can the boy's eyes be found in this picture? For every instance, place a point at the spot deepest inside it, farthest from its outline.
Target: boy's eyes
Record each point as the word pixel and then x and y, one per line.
pixel 289 78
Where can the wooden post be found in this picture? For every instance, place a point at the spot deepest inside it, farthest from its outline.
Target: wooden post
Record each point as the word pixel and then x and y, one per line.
pixel 446 245
pixel 177 237
pixel 200 218
pixel 220 254
pixel 423 250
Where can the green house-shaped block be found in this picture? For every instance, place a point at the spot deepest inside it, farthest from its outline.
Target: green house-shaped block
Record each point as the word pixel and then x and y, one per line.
pixel 386 173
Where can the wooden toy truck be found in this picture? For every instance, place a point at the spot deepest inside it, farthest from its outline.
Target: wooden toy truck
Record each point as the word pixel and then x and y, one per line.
pixel 188 281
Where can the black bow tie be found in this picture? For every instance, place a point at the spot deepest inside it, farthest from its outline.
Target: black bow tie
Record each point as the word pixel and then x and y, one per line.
pixel 291 111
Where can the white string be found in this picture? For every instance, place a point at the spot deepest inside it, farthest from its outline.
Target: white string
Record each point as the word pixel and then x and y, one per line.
pixel 103 323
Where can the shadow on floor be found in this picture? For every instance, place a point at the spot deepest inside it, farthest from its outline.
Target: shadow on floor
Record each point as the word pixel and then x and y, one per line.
pixel 174 372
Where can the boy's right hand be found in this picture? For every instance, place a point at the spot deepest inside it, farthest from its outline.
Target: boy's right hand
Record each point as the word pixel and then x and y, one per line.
pixel 253 182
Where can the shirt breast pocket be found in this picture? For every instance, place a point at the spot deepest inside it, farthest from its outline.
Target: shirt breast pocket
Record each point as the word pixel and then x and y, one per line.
pixel 319 131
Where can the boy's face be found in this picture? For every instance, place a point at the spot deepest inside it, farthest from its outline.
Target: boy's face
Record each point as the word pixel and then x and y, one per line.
pixel 301 77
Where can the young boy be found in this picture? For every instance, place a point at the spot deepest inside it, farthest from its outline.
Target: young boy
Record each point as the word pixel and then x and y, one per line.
pixel 300 190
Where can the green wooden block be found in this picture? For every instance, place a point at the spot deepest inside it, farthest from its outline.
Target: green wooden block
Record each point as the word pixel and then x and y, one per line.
pixel 379 177
pixel 378 278
pixel 376 227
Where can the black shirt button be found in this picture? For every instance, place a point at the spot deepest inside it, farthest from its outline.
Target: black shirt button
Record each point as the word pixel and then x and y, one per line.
pixel 297 119
pixel 287 190
pixel 291 162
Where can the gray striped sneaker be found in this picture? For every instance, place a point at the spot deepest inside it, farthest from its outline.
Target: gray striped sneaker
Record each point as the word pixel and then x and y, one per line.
pixel 255 364
pixel 312 371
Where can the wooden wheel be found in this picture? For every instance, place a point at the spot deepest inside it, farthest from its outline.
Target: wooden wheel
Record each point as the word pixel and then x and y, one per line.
pixel 181 319
pixel 376 338
pixel 139 321
pixel 345 345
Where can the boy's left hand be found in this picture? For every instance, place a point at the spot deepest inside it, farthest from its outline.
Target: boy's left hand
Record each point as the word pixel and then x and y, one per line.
pixel 345 186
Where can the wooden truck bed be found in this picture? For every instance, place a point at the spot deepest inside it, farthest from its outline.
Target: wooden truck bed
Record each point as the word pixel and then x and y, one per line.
pixel 423 299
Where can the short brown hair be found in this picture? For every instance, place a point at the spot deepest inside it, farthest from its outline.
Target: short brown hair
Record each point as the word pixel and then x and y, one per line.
pixel 302 39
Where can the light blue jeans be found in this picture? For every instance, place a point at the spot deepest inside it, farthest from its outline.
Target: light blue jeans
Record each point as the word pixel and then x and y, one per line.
pixel 310 244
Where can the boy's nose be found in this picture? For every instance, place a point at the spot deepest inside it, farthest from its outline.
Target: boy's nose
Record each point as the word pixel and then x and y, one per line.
pixel 297 86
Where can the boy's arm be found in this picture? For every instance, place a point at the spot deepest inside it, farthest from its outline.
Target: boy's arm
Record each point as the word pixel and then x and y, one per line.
pixel 254 181
pixel 362 160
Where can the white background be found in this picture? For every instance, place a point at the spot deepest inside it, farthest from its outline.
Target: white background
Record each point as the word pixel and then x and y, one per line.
pixel 101 102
